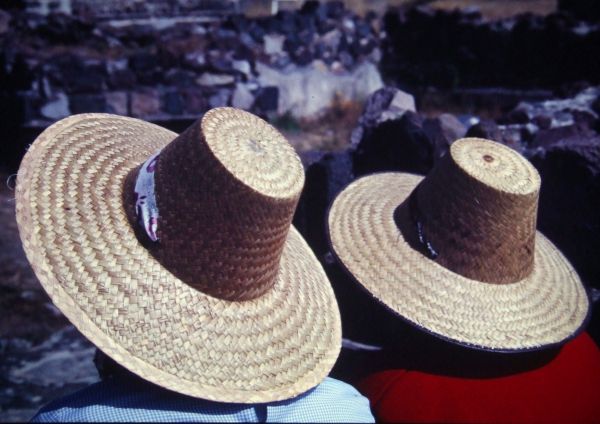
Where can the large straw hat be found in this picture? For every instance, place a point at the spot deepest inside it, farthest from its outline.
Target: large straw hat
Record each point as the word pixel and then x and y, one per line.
pixel 457 253
pixel 217 296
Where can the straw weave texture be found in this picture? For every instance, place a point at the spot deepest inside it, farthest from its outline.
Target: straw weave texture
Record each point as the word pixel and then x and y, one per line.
pixel 545 307
pixel 227 189
pixel 479 209
pixel 82 248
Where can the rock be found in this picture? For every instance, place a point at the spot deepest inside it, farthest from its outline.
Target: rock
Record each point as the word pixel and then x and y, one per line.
pixel 242 98
pixel 195 101
pixel 302 55
pixel 512 136
pixel 242 66
pixel 180 78
pixel 326 176
pixel 308 91
pixel 308 157
pixel 470 52
pixel 548 137
pixel 266 99
pixel 387 103
pixel 87 103
pixel 5 19
pixel 518 116
pixel 273 44
pixel 543 122
pixel 486 128
pixel 76 75
pixel 142 62
pixel 113 65
pixel 395 145
pixel 146 68
pixel 121 79
pixel 172 103
pixel 403 101
pixel 195 60
pixel 65 358
pixel 569 207
pixel 443 131
pixel 587 10
pixel 210 80
pixel 346 60
pixel 596 105
pixel 578 109
pixel 332 39
pixel 57 108
pixel 145 103
pixel 116 102
pixel 219 99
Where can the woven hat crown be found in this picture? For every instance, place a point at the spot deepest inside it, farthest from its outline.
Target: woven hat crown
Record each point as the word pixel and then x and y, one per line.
pixel 475 213
pixel 226 191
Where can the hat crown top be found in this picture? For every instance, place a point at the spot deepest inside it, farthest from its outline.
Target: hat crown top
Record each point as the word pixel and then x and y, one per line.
pixel 496 166
pixel 254 152
pixel 478 211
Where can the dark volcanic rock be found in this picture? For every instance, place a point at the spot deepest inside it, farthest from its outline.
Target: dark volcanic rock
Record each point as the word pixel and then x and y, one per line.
pixel 587 10
pixel 569 209
pixel 486 128
pixel 266 99
pixel 387 103
pixel 395 145
pixel 325 178
pixel 173 103
pixel 551 136
pixel 456 49
pixel 443 131
pixel 195 101
pixel 86 103
pixel 77 75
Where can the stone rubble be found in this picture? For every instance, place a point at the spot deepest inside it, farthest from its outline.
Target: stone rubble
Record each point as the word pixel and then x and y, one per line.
pixel 67 64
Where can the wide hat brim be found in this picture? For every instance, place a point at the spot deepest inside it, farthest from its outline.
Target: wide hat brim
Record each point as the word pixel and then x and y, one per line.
pixel 83 250
pixel 545 308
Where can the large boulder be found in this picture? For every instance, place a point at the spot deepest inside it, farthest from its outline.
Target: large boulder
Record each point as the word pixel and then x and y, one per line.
pixel 387 103
pixel 395 145
pixel 326 175
pixel 443 130
pixel 569 209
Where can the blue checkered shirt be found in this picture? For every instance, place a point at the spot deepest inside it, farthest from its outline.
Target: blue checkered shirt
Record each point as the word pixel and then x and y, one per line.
pixel 122 399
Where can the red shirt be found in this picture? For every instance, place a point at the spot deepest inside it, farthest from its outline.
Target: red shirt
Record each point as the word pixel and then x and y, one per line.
pixel 566 390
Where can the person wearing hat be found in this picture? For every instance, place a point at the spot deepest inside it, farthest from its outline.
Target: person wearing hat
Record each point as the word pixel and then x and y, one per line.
pixel 176 257
pixel 479 317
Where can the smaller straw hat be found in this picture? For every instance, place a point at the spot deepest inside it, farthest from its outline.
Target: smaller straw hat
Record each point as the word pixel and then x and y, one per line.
pixel 176 256
pixel 457 253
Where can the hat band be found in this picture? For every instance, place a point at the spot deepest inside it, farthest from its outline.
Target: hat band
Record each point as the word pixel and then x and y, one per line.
pixel 146 209
pixel 417 218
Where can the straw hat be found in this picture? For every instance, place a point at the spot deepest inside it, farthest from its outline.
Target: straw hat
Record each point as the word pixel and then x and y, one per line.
pixel 457 253
pixel 182 266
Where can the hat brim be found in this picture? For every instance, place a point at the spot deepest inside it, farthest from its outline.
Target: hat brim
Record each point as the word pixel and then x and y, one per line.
pixel 80 244
pixel 546 308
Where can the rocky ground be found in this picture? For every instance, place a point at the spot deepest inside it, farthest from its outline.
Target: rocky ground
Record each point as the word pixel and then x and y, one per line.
pixel 41 355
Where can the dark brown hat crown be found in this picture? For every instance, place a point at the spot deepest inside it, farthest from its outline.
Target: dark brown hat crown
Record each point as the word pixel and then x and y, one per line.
pixel 475 212
pixel 226 191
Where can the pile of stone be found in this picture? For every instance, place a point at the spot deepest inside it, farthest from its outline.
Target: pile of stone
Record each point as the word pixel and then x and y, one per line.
pixel 162 70
pixel 559 136
pixel 450 49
